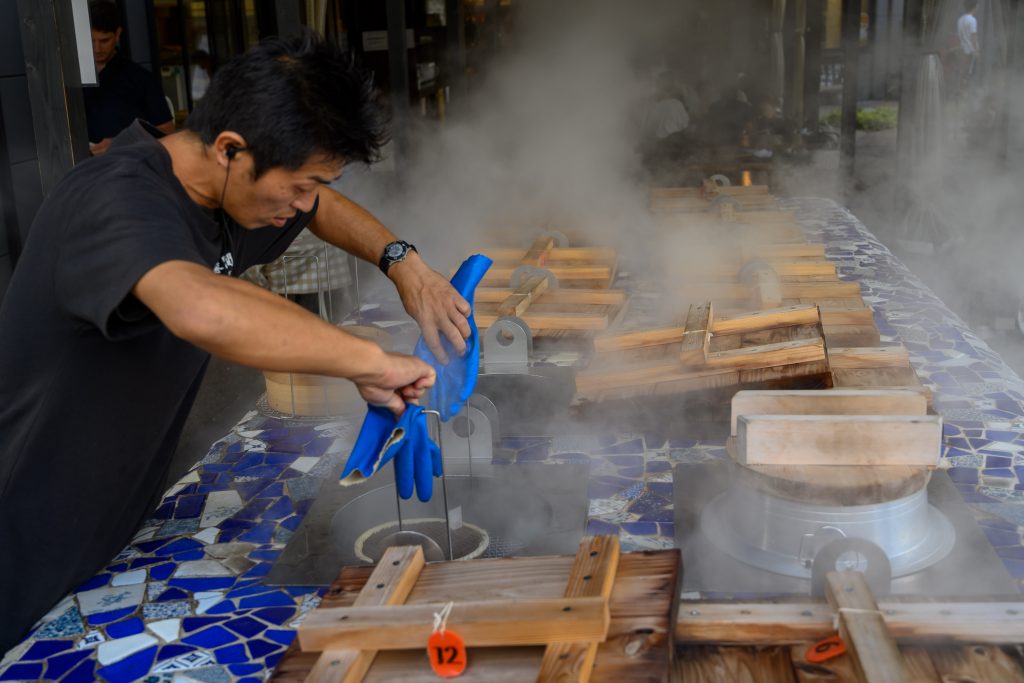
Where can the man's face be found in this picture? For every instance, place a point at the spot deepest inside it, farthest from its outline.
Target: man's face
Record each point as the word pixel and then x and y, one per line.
pixel 104 44
pixel 278 194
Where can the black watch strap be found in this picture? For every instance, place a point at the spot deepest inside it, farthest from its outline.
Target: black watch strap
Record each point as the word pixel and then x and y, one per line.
pixel 394 252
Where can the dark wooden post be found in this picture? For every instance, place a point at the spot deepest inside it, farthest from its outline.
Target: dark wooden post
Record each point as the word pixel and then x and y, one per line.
pixel 455 45
pixel 54 87
pixel 813 40
pixel 913 26
pixel 398 72
pixel 848 133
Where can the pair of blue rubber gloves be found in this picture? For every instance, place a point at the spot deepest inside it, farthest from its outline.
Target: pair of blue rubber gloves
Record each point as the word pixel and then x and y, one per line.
pixel 406 440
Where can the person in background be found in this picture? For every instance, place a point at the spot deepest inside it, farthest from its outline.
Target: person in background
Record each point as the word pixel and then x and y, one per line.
pixel 967 34
pixel 126 91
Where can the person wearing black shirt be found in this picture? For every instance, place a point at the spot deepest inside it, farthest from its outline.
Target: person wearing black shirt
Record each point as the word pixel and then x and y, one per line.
pixel 126 91
pixel 125 287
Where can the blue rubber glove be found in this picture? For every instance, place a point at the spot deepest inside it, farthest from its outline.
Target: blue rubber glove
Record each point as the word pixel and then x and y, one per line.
pixel 457 380
pixel 378 442
pixel 406 440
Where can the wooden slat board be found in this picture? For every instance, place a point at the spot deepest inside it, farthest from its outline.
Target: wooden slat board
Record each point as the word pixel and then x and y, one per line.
pixel 638 647
pixel 587 267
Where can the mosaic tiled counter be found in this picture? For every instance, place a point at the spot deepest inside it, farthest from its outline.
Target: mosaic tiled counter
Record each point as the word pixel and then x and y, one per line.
pixel 186 601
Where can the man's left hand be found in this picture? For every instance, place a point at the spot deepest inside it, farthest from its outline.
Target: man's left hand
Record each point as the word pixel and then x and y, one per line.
pixel 433 303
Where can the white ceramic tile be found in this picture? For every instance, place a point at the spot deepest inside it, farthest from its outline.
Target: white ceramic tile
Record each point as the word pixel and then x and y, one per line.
pixel 145 533
pixel 116 650
pixel 173 491
pixel 59 610
pixel 90 639
pixel 219 506
pixel 110 598
pixel 204 604
pixel 305 463
pixel 201 568
pixel 191 478
pixel 129 578
pixel 167 629
pixel 192 660
pixel 208 535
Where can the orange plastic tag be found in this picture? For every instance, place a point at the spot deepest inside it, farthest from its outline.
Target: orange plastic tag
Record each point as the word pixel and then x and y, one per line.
pixel 825 650
pixel 447 653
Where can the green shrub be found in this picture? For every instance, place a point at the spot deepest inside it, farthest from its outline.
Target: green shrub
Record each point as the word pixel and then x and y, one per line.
pixel 872 119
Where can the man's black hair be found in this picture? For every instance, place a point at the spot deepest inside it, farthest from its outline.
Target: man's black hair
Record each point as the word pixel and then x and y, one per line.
pixel 969 5
pixel 104 16
pixel 292 100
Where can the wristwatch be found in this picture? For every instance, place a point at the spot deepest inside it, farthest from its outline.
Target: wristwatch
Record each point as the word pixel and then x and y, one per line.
pixel 394 252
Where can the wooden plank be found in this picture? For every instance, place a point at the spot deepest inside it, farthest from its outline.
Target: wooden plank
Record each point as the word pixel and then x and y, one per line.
pixel 978 663
pixel 838 289
pixel 641 338
pixel 481 623
pixel 877 357
pixel 525 294
pixel 711 664
pixel 769 355
pixel 762 320
pixel 539 252
pixel 639 638
pixel 862 628
pixel 762 623
pixel 390 584
pixel 827 402
pixel 851 335
pixel 770 217
pixel 916 661
pixel 861 316
pixel 650 373
pixel 593 575
pixel 766 623
pixel 876 377
pixel 699 321
pixel 839 440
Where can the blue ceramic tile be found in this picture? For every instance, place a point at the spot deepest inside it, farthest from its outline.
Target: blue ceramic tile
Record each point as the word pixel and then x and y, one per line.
pixel 164 511
pixel 230 654
pixel 273 659
pixel 278 636
pixel 210 637
pixel 275 615
pixel 250 489
pixel 195 623
pixel 293 522
pixel 66 625
pixel 234 523
pixel 161 572
pixel 280 458
pixel 179 546
pixel 189 506
pixel 41 649
pixel 247 627
pixel 107 617
pixel 999 537
pixel 243 669
pixel 628 447
pixel 1015 567
pixel 275 599
pixel 130 668
pixel 657 516
pixel 172 594
pixel 963 475
pixel 597 527
pixel 22 672
pixel 59 665
pixel 128 627
pixel 97 581
pixel 261 533
pixel 259 647
pixel 1013 553
pixel 222 607
pixel 282 507
pixel 262 569
pixel 640 528
pixel 1003 473
pixel 302 506
pixel 254 589
pixel 189 555
pixel 275 490
pixel 117 568
pixel 654 466
pixel 626 460
pixel 173 650
pixel 144 562
pixel 83 673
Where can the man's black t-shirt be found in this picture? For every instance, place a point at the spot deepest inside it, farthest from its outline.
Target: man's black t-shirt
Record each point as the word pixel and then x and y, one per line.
pixel 126 91
pixel 94 389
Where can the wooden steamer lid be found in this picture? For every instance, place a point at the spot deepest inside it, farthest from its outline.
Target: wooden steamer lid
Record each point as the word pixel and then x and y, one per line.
pixel 830 484
pixel 319 395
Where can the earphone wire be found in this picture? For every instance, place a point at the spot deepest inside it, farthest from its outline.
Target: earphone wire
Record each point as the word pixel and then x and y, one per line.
pixel 223 213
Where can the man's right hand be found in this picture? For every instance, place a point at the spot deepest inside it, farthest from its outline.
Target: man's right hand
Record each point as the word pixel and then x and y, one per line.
pixel 399 380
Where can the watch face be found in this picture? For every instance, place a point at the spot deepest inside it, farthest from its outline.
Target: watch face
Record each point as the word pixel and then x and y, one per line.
pixel 395 251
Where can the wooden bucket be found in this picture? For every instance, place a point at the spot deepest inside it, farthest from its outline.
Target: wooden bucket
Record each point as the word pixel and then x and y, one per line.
pixel 319 395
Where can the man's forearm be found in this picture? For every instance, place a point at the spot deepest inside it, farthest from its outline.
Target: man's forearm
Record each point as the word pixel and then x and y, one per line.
pixel 345 224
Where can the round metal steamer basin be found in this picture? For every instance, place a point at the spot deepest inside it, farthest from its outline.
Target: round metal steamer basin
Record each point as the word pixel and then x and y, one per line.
pixel 779 519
